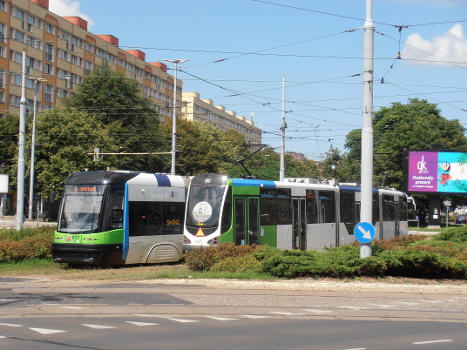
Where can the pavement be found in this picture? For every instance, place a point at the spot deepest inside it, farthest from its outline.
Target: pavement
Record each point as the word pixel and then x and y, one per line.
pixel 8 222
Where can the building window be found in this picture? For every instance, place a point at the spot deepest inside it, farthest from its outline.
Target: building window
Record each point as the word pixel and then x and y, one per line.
pixel 49 68
pixel 48 95
pixel 88 67
pixel 2 79
pixel 15 100
pixel 50 28
pixel 3 6
pixel 49 52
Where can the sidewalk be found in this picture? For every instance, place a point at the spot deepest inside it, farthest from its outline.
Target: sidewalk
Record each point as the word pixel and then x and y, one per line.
pixel 8 222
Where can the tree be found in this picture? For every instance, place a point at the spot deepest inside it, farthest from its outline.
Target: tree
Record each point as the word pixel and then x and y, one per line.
pixel 9 129
pixel 416 125
pixel 64 137
pixel 117 103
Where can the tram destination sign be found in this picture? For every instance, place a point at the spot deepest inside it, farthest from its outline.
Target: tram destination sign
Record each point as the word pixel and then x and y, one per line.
pixel 437 172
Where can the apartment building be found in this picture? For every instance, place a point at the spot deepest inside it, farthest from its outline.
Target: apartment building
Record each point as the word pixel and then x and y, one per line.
pixel 195 108
pixel 62 51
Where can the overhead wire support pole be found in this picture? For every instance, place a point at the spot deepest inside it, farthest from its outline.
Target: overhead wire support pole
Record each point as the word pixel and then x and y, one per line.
pixel 19 219
pixel 174 113
pixel 283 127
pixel 33 146
pixel 367 127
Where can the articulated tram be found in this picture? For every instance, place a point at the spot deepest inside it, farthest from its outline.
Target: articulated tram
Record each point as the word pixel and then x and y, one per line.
pixel 120 217
pixel 287 215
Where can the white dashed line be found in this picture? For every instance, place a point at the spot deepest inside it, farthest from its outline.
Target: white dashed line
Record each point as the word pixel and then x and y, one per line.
pixel 384 306
pixel 284 313
pixel 316 311
pixel 72 307
pixel 355 349
pixel 432 341
pixel 407 303
pixel 253 317
pixel 221 318
pixel 47 331
pixel 144 315
pixel 10 325
pixel 142 324
pixel 181 320
pixel 96 326
pixel 352 307
pixel 3 337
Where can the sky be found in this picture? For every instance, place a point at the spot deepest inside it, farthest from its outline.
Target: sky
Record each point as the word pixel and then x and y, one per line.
pixel 240 50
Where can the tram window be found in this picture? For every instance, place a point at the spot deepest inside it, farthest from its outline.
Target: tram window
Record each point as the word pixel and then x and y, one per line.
pixel 161 218
pixel 388 208
pixel 227 212
pixel 348 207
pixel 327 206
pixel 116 207
pixel 312 216
pixel 276 206
pixel 403 208
pixel 375 208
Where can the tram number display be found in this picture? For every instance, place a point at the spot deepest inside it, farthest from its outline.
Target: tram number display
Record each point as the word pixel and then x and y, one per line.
pixel 85 189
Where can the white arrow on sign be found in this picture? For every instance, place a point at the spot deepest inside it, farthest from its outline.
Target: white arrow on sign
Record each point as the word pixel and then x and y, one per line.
pixel 366 234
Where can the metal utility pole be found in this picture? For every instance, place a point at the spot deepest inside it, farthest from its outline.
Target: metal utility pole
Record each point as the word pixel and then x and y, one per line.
pixel 174 111
pixel 283 127
pixel 37 81
pixel 22 126
pixel 367 127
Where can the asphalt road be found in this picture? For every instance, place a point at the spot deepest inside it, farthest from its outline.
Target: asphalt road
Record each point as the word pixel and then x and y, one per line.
pixel 194 314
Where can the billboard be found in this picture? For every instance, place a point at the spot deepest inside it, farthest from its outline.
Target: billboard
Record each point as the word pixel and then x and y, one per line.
pixel 442 172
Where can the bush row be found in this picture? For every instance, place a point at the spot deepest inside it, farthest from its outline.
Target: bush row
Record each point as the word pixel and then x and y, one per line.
pixel 402 256
pixel 25 244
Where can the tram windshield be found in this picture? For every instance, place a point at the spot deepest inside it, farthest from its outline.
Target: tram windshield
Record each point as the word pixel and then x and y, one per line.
pixel 204 206
pixel 81 208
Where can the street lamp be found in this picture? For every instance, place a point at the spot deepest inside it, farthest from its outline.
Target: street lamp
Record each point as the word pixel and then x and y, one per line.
pixel 36 80
pixel 174 111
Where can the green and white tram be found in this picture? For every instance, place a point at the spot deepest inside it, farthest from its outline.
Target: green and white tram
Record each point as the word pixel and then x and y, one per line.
pixel 120 217
pixel 287 215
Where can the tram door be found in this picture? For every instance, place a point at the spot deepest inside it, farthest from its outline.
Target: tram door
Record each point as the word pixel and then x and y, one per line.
pixel 246 226
pixel 397 218
pixel 299 224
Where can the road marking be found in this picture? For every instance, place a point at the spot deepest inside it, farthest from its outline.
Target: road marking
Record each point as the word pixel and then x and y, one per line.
pixel 181 320
pixel 352 307
pixel 315 311
pixel 407 303
pixel 72 307
pixel 96 326
pixel 221 318
pixel 47 331
pixel 384 306
pixel 355 349
pixel 3 337
pixel 7 300
pixel 142 324
pixel 285 313
pixel 253 317
pixel 10 325
pixel 432 341
pixel 144 315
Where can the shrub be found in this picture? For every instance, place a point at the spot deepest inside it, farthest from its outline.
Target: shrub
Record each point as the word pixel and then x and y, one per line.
pixel 25 244
pixel 204 258
pixel 238 264
pixel 453 234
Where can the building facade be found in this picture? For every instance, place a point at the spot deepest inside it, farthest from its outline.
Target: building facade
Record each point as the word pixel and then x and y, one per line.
pixel 61 51
pixel 196 109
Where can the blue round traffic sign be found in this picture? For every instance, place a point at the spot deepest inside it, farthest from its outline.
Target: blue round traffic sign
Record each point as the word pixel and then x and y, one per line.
pixel 364 232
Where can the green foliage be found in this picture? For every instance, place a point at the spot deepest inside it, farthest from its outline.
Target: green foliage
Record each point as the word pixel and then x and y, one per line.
pixel 9 128
pixel 453 234
pixel 237 264
pixel 204 259
pixel 25 244
pixel 415 125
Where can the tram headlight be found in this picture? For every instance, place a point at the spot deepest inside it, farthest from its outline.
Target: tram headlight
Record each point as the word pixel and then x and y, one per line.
pixel 214 241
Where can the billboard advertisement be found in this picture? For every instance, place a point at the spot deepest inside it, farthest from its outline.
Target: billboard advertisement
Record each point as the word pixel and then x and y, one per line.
pixel 442 172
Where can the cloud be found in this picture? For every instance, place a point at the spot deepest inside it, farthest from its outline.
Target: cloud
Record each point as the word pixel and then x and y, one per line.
pixel 69 8
pixel 447 50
